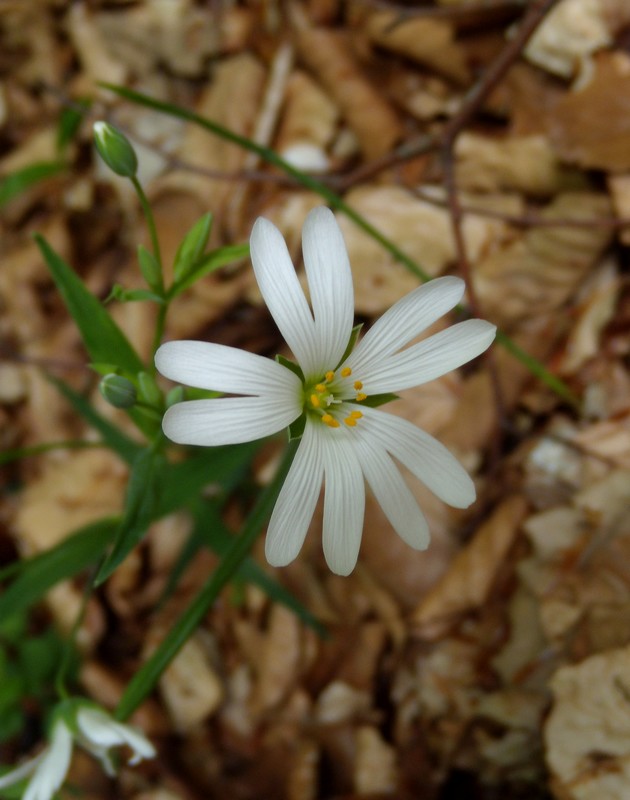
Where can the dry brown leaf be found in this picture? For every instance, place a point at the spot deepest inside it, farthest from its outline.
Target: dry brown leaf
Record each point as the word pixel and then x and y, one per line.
pixel 591 126
pixel 428 41
pixel 524 163
pixel 587 735
pixel 473 572
pixel 539 272
pixel 278 661
pixel 619 186
pixel 370 117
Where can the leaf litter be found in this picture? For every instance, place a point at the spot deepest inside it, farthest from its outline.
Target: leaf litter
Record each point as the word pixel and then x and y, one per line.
pixel 495 663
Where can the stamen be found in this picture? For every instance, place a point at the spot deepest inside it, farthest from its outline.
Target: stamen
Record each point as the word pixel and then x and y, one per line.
pixel 315 401
pixel 320 387
pixel 346 372
pixel 329 420
pixel 330 376
pixel 360 396
pixel 350 421
pixel 358 385
pixel 356 414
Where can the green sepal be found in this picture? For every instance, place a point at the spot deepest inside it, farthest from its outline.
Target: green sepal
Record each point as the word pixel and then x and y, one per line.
pixel 376 400
pixel 295 368
pixel 354 335
pixel 115 149
pixel 175 395
pixel 103 368
pixel 296 428
pixel 119 391
pixel 149 390
pixel 192 247
pixel 150 269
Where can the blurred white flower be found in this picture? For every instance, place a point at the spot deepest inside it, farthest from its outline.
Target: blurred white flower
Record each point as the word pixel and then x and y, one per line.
pixel 94 730
pixel 345 438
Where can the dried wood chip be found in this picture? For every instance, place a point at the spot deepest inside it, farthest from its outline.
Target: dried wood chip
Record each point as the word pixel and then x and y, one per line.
pixel 587 735
pixel 368 114
pixel 570 33
pixel 302 782
pixel 279 660
pixel 468 582
pixel 307 126
pixel 375 768
pixel 339 702
pixel 190 686
pixel 619 186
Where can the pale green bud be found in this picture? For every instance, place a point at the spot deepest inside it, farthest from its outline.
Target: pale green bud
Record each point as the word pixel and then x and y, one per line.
pixel 115 150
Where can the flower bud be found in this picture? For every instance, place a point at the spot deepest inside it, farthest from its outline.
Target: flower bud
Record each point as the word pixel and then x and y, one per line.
pixel 118 391
pixel 115 150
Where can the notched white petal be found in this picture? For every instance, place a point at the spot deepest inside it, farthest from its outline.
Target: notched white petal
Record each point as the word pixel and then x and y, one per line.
pixel 229 420
pixel 430 358
pixel 330 284
pixel 424 456
pixel 392 493
pixel 296 502
pixel 281 290
pixel 406 319
pixel 344 502
pixel 223 369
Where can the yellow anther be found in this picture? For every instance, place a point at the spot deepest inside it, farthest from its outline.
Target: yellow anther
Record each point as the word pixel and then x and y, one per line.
pixel 329 420
pixel 356 414
pixel 320 387
pixel 360 396
pixel 315 401
pixel 358 385
pixel 346 372
pixel 350 421
pixel 329 376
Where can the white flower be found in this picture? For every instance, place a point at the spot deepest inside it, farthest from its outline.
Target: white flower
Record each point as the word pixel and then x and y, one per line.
pixel 94 730
pixel 345 439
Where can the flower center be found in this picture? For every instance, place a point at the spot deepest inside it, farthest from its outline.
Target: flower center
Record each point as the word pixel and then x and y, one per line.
pixel 324 399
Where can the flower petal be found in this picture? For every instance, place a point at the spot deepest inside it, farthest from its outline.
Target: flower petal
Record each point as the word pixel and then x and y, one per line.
pixel 344 501
pixel 423 455
pixel 20 772
pixel 51 771
pixel 102 732
pixel 296 502
pixel 430 358
pixel 223 369
pixel 392 493
pixel 229 420
pixel 406 319
pixel 330 285
pixel 281 290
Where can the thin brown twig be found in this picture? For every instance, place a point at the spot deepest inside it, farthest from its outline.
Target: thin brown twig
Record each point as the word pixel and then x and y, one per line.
pixel 474 101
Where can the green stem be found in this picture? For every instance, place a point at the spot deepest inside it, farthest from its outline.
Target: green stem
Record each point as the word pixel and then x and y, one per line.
pixel 159 330
pixel 145 679
pixel 69 646
pixel 150 220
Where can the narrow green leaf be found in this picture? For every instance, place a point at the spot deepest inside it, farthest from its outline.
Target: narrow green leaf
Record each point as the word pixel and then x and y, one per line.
pixel 209 263
pixel 140 509
pixel 142 683
pixel 70 121
pixel 39 574
pixel 17 182
pixel 102 337
pixel 192 247
pixel 119 442
pixel 7 456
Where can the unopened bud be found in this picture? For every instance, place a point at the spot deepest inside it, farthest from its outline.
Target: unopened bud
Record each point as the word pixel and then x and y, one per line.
pixel 118 391
pixel 115 150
